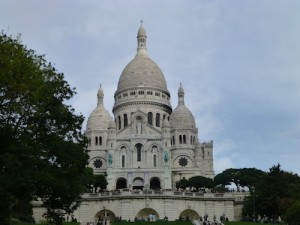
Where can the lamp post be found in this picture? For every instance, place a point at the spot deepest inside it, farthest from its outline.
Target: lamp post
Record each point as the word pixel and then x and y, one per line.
pixel 254 203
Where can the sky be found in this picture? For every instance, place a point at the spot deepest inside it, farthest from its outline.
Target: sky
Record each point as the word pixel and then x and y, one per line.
pixel 238 61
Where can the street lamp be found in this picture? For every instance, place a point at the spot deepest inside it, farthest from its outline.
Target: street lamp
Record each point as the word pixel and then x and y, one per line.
pixel 254 202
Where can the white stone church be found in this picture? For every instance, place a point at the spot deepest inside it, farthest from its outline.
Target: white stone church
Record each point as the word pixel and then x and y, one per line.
pixel 144 149
pixel 146 144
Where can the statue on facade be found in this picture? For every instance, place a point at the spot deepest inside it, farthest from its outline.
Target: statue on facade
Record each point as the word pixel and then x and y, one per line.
pixel 110 158
pixel 166 156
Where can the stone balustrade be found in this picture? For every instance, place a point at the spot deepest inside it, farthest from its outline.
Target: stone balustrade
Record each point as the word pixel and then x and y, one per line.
pixel 153 193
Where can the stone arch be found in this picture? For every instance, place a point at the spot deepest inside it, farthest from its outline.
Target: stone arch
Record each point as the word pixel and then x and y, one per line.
pixel 105 214
pixel 155 183
pixel 147 214
pixel 138 183
pixel 189 214
pixel 121 183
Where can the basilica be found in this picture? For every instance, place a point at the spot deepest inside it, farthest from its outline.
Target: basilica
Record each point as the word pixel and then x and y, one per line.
pixel 143 149
pixel 146 144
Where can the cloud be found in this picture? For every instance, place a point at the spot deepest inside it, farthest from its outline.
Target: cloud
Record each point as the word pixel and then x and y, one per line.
pixel 238 62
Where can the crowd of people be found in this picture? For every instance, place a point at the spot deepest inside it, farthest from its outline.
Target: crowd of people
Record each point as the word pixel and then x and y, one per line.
pixel 263 219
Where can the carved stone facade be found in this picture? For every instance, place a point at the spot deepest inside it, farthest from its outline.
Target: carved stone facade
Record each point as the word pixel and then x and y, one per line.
pixel 146 144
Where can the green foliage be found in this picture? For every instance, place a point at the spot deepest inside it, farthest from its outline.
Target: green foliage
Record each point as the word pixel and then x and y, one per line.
pixel 227 177
pixel 152 223
pixel 100 181
pixel 292 215
pixel 64 223
pixel 245 177
pixel 183 183
pixel 196 182
pixel 42 149
pixel 273 196
pixel 201 182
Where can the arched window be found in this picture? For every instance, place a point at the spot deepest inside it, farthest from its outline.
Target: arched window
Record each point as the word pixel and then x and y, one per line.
pixel 125 120
pixel 173 140
pixel 191 140
pixel 96 140
pixel 150 118
pixel 119 122
pixel 180 139
pixel 139 152
pixel 157 119
pixel 194 140
pixel 123 161
pixel 100 140
pixel 154 161
pixel 184 139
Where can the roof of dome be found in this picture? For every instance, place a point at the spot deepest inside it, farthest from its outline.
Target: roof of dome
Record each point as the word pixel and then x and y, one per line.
pixel 142 31
pixel 99 119
pixel 142 71
pixel 182 117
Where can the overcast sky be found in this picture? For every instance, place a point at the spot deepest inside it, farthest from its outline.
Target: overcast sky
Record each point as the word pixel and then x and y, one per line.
pixel 238 61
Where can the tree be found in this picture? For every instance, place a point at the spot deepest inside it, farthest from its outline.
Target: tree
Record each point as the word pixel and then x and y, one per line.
pixel 274 194
pixel 245 177
pixel 292 216
pixel 100 181
pixel 227 177
pixel 201 182
pixel 42 148
pixel 183 183
pixel 250 177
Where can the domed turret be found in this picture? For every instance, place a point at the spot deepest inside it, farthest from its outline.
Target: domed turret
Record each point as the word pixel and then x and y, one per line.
pixel 99 119
pixel 142 70
pixel 142 81
pixel 182 118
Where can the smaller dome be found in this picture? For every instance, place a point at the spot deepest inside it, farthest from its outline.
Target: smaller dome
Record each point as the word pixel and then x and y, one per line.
pixel 99 119
pixel 181 117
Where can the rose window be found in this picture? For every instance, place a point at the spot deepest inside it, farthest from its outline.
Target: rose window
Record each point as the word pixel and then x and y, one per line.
pixel 183 161
pixel 98 163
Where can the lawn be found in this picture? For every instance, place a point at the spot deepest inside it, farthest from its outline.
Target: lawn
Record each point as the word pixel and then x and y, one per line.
pixel 149 223
pixel 152 223
pixel 25 223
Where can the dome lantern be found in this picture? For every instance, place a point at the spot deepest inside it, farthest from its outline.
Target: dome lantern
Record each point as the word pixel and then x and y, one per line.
pixel 142 39
pixel 180 95
pixel 100 96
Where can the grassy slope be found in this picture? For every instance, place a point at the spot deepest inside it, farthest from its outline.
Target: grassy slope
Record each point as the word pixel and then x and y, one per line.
pixel 151 223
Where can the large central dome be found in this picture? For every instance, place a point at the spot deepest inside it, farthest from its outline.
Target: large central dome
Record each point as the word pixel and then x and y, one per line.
pixel 142 71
